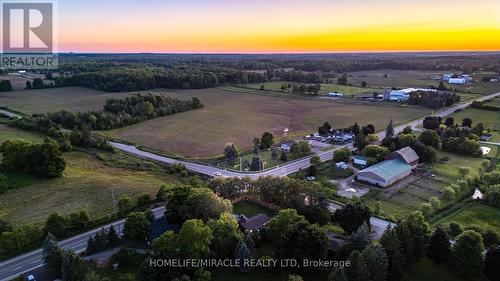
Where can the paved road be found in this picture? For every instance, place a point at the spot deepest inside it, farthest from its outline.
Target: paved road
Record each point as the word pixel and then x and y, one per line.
pixel 490 143
pixel 288 168
pixel 16 266
pixel 10 114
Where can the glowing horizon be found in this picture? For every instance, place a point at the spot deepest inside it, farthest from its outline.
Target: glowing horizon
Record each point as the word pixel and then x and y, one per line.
pixel 279 26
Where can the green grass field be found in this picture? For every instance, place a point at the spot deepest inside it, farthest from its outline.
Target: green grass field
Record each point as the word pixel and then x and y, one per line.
pixel 87 183
pixel 235 117
pixel 490 119
pixel 325 88
pixel 55 99
pixel 451 168
pixel 250 209
pixel 8 133
pixel 482 215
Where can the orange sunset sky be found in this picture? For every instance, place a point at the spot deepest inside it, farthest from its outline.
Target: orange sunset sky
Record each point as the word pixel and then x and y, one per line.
pixel 277 26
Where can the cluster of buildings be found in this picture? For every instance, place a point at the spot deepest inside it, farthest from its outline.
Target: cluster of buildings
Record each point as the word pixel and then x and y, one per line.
pixel 396 166
pixel 457 79
pixel 404 94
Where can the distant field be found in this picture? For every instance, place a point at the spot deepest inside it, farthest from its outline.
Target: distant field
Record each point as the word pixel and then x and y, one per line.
pixel 325 88
pixel 234 117
pixel 395 78
pixel 87 183
pixel 8 133
pixel 483 215
pixel 490 119
pixel 55 99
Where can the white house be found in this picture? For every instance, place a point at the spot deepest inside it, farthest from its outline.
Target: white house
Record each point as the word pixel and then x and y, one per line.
pixel 457 81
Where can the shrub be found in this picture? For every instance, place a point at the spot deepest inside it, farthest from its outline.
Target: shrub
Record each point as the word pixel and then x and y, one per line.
pixel 449 193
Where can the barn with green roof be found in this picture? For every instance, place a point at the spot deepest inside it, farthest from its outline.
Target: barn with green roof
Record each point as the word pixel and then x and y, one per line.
pixel 391 170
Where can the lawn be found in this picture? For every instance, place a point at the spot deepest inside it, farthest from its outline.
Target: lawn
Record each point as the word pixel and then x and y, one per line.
pixel 250 209
pixel 482 215
pixel 87 183
pixel 451 168
pixel 8 133
pixel 235 117
pixel 490 119
pixel 55 99
pixel 325 88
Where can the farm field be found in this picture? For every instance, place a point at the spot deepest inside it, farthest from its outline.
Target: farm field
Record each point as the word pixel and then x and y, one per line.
pixel 74 99
pixel 234 117
pixel 395 78
pixel 489 118
pixel 479 214
pixel 325 88
pixel 8 133
pixel 87 183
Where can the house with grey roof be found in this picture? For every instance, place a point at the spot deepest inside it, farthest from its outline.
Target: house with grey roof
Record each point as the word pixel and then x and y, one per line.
pixel 406 154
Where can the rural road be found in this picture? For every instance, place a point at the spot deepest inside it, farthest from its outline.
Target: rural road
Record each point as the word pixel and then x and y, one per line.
pixel 285 169
pixel 14 267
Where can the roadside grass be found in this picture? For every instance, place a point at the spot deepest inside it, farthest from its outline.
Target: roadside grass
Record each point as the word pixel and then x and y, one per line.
pixel 482 215
pixel 250 209
pixel 87 183
pixel 425 270
pixel 490 119
pixel 236 117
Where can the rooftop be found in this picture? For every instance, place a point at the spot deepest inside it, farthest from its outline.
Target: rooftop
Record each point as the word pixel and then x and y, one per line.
pixel 256 222
pixel 388 169
pixel 408 154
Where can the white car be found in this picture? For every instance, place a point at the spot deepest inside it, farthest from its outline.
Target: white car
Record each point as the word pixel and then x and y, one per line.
pixel 217 174
pixel 31 278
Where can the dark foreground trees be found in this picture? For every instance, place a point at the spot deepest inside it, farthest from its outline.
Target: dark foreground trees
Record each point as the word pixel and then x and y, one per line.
pixel 39 158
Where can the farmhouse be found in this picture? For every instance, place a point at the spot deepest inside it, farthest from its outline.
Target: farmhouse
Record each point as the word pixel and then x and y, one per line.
pixel 398 165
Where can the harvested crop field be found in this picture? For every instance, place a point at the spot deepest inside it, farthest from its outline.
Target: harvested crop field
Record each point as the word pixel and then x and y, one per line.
pixel 55 99
pixel 234 117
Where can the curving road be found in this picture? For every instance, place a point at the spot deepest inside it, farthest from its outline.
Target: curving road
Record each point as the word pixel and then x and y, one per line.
pixel 16 266
pixel 285 169
pixel 10 114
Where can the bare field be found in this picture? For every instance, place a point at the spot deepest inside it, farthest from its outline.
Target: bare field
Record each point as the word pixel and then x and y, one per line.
pixel 55 99
pixel 233 117
pixel 395 78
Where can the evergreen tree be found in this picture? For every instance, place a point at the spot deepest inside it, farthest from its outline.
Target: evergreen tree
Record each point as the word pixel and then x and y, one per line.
pixel 113 238
pixel 389 132
pixel 230 154
pixel 257 164
pixel 52 255
pixel 243 254
pixel 274 154
pixel 492 263
pixel 283 157
pixel 337 274
pixel 247 239
pixel 392 246
pixel 360 239
pixel 73 267
pixel 360 141
pixel 376 262
pixel 439 247
pixel 357 271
